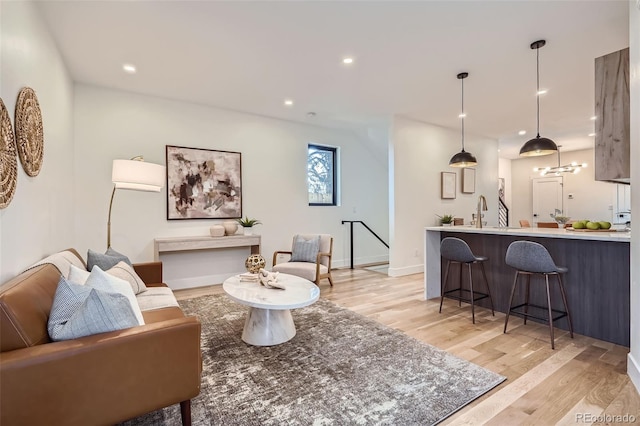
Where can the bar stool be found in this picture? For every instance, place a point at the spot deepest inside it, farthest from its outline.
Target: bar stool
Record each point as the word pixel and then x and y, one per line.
pixel 529 258
pixel 456 250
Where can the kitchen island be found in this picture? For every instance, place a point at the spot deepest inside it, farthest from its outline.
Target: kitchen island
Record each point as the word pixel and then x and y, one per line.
pixel 597 284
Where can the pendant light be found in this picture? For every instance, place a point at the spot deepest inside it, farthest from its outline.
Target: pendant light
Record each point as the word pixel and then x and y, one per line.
pixel 463 158
pixel 538 146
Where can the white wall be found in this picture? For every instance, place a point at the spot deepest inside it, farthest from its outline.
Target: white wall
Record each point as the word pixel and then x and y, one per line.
pixel 39 219
pixel 591 199
pixel 111 124
pixel 633 366
pixel 419 152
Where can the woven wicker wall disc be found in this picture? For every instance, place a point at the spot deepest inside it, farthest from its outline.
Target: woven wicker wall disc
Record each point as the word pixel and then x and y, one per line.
pixel 8 161
pixel 29 133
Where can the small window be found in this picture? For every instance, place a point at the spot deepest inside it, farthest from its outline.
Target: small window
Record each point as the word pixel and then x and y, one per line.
pixel 321 175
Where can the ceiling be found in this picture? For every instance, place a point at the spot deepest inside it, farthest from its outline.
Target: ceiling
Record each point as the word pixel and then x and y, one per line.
pixel 251 56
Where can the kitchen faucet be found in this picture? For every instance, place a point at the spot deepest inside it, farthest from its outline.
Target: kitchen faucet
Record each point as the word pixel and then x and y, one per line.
pixel 482 205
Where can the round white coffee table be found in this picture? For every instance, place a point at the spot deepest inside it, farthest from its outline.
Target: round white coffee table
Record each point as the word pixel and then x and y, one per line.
pixel 269 321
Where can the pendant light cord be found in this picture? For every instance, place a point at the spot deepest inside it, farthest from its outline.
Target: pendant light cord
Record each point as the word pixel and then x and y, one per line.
pixel 462 81
pixel 538 90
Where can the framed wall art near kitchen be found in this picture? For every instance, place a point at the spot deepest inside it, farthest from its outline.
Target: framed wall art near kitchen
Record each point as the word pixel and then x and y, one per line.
pixel 203 183
pixel 468 180
pixel 447 185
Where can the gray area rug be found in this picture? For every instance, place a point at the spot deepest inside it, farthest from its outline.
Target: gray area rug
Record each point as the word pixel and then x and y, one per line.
pixel 341 368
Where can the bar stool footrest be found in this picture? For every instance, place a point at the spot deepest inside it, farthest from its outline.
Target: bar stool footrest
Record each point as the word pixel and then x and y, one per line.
pixel 476 295
pixel 514 310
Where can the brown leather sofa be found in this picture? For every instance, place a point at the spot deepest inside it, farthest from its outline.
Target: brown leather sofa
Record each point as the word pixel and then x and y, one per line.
pixel 95 380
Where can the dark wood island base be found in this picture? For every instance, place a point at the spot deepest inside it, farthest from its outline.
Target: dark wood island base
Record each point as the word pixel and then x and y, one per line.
pixel 597 284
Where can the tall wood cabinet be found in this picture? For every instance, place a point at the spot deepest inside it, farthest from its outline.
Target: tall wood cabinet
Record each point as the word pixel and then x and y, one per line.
pixel 612 142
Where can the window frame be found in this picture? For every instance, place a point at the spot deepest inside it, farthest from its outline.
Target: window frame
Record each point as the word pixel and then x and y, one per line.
pixel 334 177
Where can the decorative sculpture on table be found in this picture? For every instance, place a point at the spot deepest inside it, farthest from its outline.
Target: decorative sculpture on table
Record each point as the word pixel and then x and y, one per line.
pixel 254 263
pixel 270 279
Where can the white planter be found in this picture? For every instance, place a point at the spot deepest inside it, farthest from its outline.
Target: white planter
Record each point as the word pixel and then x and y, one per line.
pixel 248 230
pixel 230 227
pixel 217 231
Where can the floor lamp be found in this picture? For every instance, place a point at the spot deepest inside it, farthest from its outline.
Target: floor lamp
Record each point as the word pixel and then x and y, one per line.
pixel 135 175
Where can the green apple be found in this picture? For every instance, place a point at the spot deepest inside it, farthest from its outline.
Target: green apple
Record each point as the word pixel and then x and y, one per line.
pixel 579 225
pixel 605 225
pixel 593 225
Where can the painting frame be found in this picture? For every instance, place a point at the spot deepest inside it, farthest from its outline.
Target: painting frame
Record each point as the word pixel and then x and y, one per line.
pixel 468 180
pixel 447 185
pixel 203 183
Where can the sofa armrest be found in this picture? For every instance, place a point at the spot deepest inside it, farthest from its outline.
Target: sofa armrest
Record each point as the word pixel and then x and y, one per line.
pixel 150 272
pixel 102 379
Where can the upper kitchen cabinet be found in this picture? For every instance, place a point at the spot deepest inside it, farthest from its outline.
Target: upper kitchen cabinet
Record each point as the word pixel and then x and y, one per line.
pixel 612 143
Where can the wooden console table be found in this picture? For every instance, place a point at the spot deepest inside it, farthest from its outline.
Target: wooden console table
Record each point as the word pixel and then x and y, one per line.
pixel 175 244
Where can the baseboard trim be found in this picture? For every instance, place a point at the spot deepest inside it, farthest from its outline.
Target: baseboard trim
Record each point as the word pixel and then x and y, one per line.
pixel 345 263
pixel 193 282
pixel 633 370
pixel 407 270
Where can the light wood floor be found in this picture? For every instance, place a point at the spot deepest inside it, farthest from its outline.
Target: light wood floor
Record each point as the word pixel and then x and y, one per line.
pixel 582 377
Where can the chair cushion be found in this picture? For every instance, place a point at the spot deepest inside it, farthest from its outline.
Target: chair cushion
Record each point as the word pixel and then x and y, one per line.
pixel 300 269
pixel 82 310
pixel 305 249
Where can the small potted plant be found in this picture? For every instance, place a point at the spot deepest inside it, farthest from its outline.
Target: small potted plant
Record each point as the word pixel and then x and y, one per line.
pixel 248 224
pixel 446 219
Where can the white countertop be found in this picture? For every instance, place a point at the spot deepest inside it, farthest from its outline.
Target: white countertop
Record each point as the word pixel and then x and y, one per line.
pixel 538 232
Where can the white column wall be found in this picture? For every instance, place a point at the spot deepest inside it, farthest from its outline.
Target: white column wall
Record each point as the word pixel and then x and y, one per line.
pixel 113 124
pixel 419 152
pixel 39 220
pixel 633 366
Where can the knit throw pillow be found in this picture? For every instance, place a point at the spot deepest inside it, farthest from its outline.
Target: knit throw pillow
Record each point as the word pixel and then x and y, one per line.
pixel 305 249
pixel 82 310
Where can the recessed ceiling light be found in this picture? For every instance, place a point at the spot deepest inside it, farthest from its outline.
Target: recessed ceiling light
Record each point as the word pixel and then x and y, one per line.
pixel 591 134
pixel 288 102
pixel 594 118
pixel 129 68
pixel 522 132
pixel 463 115
pixel 347 61
pixel 542 91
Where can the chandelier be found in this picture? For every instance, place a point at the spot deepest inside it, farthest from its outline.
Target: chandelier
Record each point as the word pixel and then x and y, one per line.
pixel 573 167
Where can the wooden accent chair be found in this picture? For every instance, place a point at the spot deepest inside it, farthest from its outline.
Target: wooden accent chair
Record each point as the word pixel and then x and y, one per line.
pixel 309 257
pixel 524 223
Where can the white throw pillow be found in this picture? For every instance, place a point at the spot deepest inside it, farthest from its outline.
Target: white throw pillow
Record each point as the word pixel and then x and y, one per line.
pixel 100 280
pixel 77 275
pixel 122 270
pixel 80 310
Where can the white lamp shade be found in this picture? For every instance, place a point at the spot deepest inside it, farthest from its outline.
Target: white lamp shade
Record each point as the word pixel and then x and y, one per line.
pixel 138 175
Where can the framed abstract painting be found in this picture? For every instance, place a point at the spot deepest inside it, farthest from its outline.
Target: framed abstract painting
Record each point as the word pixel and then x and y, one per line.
pixel 203 183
